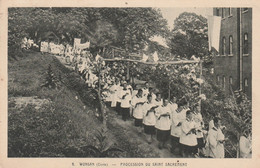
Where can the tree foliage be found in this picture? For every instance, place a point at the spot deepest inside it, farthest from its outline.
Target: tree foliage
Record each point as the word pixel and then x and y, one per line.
pixel 128 28
pixel 189 36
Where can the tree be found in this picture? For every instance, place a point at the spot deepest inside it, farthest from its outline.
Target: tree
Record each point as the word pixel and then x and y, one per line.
pixel 127 28
pixel 135 25
pixel 189 36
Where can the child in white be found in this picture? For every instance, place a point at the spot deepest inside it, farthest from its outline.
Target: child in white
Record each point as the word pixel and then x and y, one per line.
pixel 149 119
pixel 137 103
pixel 163 123
pixel 188 138
pixel 197 117
pixel 158 101
pixel 125 96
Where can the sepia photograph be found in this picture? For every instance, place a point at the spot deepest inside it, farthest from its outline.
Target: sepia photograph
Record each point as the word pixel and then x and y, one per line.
pixel 130 82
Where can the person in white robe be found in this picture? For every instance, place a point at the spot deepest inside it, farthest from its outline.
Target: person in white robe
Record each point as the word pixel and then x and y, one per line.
pixel 130 88
pixel 199 124
pixel 163 123
pixel 118 98
pixel 220 146
pixel 24 43
pixel 125 96
pixel 113 89
pixel 149 119
pixel 188 138
pixel 151 92
pixel 137 103
pixel 211 122
pixel 178 117
pixel 215 141
pixel 158 100
pixel 245 145
pixel 173 104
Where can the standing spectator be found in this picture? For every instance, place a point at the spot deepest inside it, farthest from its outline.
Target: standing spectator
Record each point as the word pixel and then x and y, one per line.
pixel 149 119
pixel 163 123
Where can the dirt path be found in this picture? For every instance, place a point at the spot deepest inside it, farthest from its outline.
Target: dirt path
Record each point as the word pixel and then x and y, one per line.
pixel 126 131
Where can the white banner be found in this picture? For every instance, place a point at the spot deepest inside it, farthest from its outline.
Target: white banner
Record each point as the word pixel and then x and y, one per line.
pixel 214 24
pixel 76 42
pixel 83 45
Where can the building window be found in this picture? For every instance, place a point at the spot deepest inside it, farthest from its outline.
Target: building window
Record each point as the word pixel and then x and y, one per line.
pixel 230 47
pixel 223 46
pixel 245 47
pixel 224 82
pixel 222 12
pixel 217 12
pixel 229 12
pixel 246 82
pixel 244 9
pixel 230 80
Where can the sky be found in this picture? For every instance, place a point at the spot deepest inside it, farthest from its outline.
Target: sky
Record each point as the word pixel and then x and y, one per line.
pixel 170 14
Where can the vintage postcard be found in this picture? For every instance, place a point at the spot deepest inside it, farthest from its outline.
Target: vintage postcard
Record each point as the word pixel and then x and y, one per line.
pixel 129 84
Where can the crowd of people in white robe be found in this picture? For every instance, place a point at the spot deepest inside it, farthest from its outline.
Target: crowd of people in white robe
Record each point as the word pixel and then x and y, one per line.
pixel 167 120
pixel 28 43
pixel 155 116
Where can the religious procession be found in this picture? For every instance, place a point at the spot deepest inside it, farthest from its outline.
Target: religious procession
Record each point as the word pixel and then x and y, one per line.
pixel 163 120
pixel 152 96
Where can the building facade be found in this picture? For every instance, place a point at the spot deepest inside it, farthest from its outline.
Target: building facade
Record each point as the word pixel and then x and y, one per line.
pixel 233 62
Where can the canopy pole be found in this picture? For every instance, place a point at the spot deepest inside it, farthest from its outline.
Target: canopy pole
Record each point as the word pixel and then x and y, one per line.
pixel 154 63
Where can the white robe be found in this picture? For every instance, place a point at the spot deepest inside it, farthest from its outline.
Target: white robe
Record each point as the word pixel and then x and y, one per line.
pixel 159 103
pixel 125 96
pixel 163 122
pixel 173 107
pixel 214 148
pixel 149 119
pixel 177 118
pixel 198 120
pixel 145 92
pixel 138 109
pixel 185 138
pixel 220 146
pixel 245 146
pixel 115 90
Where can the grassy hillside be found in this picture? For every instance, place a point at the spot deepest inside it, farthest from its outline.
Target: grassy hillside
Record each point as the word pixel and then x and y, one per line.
pixel 44 122
pixel 59 125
